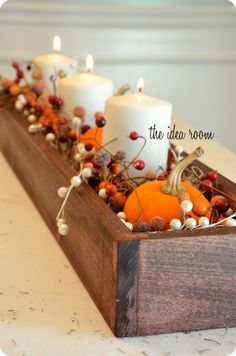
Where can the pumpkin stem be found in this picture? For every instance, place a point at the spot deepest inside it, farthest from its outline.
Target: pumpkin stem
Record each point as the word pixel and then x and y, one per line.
pixel 173 185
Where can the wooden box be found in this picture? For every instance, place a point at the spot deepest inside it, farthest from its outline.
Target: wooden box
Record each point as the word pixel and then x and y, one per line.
pixel 141 283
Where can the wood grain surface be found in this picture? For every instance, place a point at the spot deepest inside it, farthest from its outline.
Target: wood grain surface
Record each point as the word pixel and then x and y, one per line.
pixel 187 285
pixel 142 283
pixel 91 245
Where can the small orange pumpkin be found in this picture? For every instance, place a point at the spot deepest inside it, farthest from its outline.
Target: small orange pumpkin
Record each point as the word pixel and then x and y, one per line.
pixel 93 136
pixel 159 198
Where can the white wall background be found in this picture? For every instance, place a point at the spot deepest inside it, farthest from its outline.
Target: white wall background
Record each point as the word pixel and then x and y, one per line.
pixel 185 50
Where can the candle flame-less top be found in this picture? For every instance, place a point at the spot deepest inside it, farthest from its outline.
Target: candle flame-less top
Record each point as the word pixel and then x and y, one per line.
pixel 140 85
pixel 56 44
pixel 89 63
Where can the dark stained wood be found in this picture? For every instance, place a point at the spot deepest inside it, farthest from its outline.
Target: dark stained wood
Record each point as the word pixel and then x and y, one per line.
pixel 127 291
pixel 142 283
pixel 189 284
pixel 91 245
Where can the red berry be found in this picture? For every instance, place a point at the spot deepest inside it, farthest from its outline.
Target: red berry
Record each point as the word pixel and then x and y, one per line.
pixel 20 74
pixel 85 128
pixel 100 119
pixel 206 184
pixel 139 164
pixel 212 175
pixel 162 176
pixel 15 65
pixel 222 205
pixel 60 101
pixel 133 135
pixel 52 99
pixel 88 147
pixel 94 180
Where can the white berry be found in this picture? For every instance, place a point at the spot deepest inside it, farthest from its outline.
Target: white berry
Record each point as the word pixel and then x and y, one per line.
pixel 87 172
pixel 121 215
pixel 33 128
pixel 186 206
pixel 78 157
pixel 129 226
pixel 102 193
pixel 60 222
pixel 80 146
pixel 230 222
pixel 76 181
pixel 50 137
pixel 76 122
pixel 32 118
pixel 190 223
pixel 175 224
pixel 62 192
pixel 63 229
pixel 179 150
pixel 26 112
pixel 203 221
pixel 83 152
pixel 22 99
pixel 18 105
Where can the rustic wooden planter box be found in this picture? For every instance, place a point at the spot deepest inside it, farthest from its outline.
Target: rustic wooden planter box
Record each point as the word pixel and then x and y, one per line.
pixel 141 283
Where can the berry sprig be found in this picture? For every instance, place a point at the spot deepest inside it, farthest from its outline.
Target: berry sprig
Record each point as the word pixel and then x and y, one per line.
pixel 109 174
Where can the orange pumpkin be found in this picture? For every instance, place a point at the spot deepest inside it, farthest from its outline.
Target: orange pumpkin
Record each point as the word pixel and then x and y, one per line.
pixel 159 198
pixel 93 136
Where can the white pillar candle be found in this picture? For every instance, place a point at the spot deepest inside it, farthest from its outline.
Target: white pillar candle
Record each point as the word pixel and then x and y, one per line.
pixel 138 112
pixel 87 90
pixel 50 64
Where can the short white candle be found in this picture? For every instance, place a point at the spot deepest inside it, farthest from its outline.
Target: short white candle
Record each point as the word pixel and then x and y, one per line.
pixel 138 112
pixel 50 64
pixel 87 90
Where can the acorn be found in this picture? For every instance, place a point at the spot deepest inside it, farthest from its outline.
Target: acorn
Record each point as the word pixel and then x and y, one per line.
pixel 141 226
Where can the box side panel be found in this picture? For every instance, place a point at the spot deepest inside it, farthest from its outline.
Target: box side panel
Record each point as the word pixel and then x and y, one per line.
pixel 127 290
pixel 187 284
pixel 89 246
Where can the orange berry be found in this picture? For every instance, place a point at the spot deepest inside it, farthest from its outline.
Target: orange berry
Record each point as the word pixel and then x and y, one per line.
pixel 103 184
pixel 33 103
pixel 79 111
pixel 151 175
pixel 111 190
pixel 183 196
pixel 115 168
pixel 89 165
pixel 215 198
pixel 52 116
pixel 199 208
pixel 47 110
pixel 36 75
pixel 14 89
pixel 117 201
pixel 72 134
pixel 6 83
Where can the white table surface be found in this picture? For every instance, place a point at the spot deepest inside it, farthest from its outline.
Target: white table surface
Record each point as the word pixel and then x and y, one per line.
pixel 44 308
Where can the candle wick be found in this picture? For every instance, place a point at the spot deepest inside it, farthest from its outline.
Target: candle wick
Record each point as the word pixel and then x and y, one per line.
pixel 140 90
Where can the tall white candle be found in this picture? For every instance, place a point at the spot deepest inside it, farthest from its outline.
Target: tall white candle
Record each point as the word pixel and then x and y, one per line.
pixel 50 64
pixel 138 112
pixel 87 90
